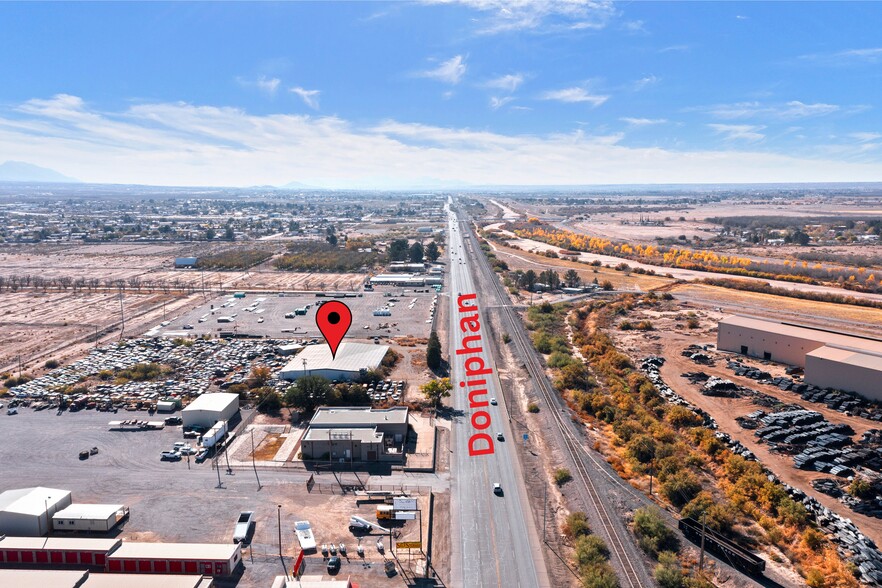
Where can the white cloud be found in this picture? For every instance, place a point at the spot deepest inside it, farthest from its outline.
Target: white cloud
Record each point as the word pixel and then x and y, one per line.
pixel 846 57
pixel 741 17
pixel 644 82
pixel 574 94
pixel 643 122
pixel 266 85
pixel 309 97
pixel 865 137
pixel 449 72
pixel 496 103
pixel 184 144
pixel 539 15
pixel 787 111
pixel 739 132
pixel 674 49
pixel 634 26
pixel 509 82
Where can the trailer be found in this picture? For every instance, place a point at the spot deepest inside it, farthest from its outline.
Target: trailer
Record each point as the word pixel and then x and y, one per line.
pixel 729 552
pixel 357 523
pixel 211 437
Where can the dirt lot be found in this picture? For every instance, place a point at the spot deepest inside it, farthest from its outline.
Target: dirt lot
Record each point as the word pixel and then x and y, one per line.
pixel 669 339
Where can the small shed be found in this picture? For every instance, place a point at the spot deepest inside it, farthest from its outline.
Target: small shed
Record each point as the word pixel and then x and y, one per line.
pixel 96 518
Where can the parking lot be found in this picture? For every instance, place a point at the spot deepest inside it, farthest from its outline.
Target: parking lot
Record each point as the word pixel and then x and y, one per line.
pixel 263 315
pixel 177 501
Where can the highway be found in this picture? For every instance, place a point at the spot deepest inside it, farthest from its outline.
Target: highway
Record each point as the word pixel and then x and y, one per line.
pixel 494 539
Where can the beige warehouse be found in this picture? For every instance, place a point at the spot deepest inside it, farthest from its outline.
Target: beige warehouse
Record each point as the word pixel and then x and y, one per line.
pixel 831 359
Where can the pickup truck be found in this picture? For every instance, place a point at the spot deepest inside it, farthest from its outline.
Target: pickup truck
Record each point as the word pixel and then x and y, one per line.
pixel 304 535
pixel 243 527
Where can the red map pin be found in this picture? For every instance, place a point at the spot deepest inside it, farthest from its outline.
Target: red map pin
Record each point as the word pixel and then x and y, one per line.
pixel 333 319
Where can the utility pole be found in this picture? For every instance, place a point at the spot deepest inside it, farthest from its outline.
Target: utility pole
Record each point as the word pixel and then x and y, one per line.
pixel 701 557
pixel 217 467
pixel 122 315
pixel 253 463
pixel 544 508
pixel 227 456
pixel 651 471
pixel 281 557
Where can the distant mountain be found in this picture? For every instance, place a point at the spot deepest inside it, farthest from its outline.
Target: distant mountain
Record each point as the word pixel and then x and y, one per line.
pixel 297 186
pixel 19 171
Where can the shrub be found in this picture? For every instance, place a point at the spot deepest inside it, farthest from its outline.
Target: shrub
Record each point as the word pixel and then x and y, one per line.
pixel 576 525
pixel 590 551
pixel 653 535
pixel 681 417
pixel 681 487
pixel 812 538
pixel 559 359
pixel 533 407
pixel 668 573
pixel 693 322
pixel 506 338
pixel 606 285
pixel 562 476
pixel 642 448
pixel 860 487
pixel 50 364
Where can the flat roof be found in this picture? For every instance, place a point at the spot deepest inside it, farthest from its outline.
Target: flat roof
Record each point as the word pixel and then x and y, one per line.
pixel 215 401
pixel 806 332
pixel 208 551
pixel 351 357
pixel 88 511
pixel 66 543
pixel 144 581
pixel 362 435
pixel 31 501
pixel 348 416
pixel 849 356
pixel 43 578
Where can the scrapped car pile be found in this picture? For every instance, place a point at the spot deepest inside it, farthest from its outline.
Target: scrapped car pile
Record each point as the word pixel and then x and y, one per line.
pixel 846 402
pixel 851 543
pixel 197 365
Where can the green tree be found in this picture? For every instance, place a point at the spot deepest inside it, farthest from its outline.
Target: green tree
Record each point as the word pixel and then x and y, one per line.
pixel 653 535
pixel 572 279
pixel 210 234
pixel 398 250
pixel 229 234
pixel 415 253
pixel 435 390
pixel 432 251
pixel 433 351
pixel 268 401
pixel 308 393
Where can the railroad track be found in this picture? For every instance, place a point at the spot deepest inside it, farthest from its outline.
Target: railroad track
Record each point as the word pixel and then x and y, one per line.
pixel 573 446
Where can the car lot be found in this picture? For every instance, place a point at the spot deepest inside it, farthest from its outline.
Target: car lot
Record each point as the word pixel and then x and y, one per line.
pixel 177 501
pixel 263 315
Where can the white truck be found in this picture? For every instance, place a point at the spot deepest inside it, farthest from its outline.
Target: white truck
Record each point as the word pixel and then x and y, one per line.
pixel 360 524
pixel 243 527
pixel 304 535
pixel 211 437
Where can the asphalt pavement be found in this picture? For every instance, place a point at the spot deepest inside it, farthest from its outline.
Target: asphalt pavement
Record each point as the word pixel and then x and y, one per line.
pixel 494 541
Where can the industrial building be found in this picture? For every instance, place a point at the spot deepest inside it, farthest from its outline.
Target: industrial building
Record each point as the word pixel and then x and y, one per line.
pixel 352 360
pixel 208 409
pixel 830 359
pixel 26 512
pixel 56 551
pixel 93 518
pixel 209 559
pixel 356 434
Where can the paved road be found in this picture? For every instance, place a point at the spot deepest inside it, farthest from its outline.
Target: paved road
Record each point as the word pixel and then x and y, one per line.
pixel 494 540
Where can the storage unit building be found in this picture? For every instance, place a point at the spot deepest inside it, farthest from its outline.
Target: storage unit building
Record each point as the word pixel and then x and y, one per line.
pixel 153 581
pixel 209 559
pixel 56 551
pixel 208 409
pixel 96 518
pixel 352 359
pixel 44 578
pixel 26 512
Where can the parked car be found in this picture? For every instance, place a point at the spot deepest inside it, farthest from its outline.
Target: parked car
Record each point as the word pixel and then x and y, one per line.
pixel 333 565
pixel 93 451
pixel 84 454
pixel 188 327
pixel 12 410
pixel 173 420
pixel 493 401
pixel 497 489
pixel 202 456
pixel 170 456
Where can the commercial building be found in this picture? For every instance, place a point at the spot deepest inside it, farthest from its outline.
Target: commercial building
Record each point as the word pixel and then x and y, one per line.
pixel 95 518
pixel 398 280
pixel 44 578
pixel 209 559
pixel 56 551
pixel 153 581
pixel 208 409
pixel 352 360
pixel 356 434
pixel 830 359
pixel 27 512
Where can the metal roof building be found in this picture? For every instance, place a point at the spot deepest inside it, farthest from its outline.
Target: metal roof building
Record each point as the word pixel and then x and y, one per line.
pixel 209 559
pixel 153 581
pixel 208 409
pixel 25 512
pixel 351 360
pixel 356 433
pixel 831 359
pixel 54 551
pixel 44 578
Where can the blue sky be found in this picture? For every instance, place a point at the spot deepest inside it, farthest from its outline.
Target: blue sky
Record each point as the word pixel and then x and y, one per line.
pixel 369 94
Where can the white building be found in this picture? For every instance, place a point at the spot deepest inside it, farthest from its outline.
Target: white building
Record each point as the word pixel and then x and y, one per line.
pixel 208 409
pixel 352 359
pixel 98 518
pixel 26 512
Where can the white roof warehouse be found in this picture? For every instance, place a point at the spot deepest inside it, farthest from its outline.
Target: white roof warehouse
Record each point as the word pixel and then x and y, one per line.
pixel 351 360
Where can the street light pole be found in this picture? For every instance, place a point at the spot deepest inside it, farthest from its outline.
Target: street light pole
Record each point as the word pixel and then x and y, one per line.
pixel 281 557
pixel 253 463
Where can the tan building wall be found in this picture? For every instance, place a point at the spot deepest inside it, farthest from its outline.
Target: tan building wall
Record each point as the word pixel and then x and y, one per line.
pixel 762 344
pixel 827 372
